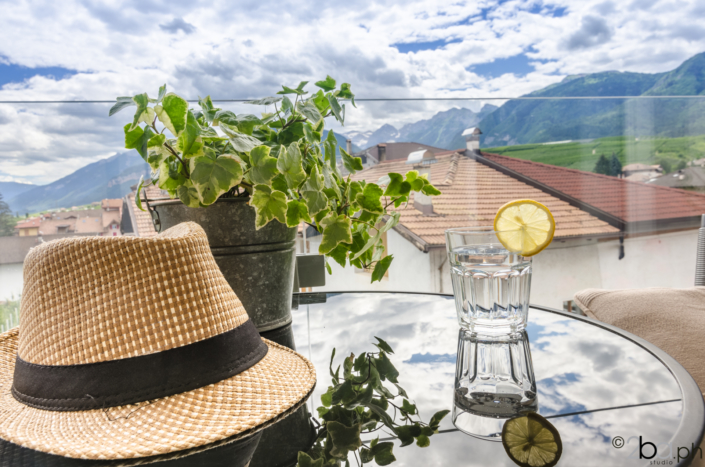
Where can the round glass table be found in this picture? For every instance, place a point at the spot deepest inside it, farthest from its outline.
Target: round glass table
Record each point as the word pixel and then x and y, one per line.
pixel 614 398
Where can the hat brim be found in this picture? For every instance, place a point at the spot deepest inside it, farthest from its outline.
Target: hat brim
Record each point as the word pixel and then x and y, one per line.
pixel 242 405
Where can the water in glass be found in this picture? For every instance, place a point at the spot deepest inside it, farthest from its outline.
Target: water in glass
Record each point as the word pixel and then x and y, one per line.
pixel 491 287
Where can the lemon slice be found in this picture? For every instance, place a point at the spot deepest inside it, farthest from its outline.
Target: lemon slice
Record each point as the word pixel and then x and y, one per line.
pixel 524 226
pixel 531 441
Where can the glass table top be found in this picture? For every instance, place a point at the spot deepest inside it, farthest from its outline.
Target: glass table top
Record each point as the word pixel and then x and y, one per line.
pixel 594 385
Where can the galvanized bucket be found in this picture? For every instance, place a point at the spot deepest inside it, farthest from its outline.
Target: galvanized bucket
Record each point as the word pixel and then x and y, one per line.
pixel 258 264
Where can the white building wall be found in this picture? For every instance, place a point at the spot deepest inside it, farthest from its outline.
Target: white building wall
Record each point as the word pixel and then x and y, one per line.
pixel 10 280
pixel 666 260
pixel 566 267
pixel 410 271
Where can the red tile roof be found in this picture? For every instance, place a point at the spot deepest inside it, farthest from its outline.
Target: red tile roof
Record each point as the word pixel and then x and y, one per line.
pixel 471 193
pixel 29 223
pixel 624 199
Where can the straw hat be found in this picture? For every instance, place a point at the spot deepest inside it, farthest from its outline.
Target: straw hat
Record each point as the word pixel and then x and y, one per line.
pixel 134 347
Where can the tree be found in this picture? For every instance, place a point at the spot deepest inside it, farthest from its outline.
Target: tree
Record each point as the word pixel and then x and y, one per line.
pixel 7 221
pixel 615 166
pixel 666 166
pixel 602 166
pixel 681 165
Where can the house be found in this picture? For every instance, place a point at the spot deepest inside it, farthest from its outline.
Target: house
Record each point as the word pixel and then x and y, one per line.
pixel 690 178
pixel 610 232
pixel 29 227
pixel 641 172
pixel 135 221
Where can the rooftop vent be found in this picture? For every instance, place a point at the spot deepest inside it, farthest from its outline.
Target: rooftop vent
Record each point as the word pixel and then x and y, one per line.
pixel 421 157
pixel 472 139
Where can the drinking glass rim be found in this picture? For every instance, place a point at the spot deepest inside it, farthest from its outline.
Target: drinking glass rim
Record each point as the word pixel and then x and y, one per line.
pixel 486 229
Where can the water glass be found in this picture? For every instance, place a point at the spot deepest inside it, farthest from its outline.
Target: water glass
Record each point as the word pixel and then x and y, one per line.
pixel 491 284
pixel 494 381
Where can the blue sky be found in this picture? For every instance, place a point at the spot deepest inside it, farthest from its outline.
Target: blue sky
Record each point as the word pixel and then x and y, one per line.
pixel 88 49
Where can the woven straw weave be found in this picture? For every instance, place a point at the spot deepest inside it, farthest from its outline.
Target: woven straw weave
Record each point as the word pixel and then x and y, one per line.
pixel 95 299
pixel 91 299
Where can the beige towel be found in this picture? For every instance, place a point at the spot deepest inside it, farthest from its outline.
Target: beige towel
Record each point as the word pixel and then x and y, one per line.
pixel 671 319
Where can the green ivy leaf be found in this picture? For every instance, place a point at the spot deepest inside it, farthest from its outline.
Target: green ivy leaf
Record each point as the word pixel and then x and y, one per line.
pixel 138 139
pixel 188 194
pixel 142 102
pixel 327 398
pixel 264 167
pixel 189 141
pixel 321 102
pixel 352 164
pixel 346 93
pixel 327 84
pixel 344 438
pixel 299 90
pixel 397 186
pixel 422 441
pixel 339 254
pixel 121 103
pixel 304 460
pixel 344 394
pixel 381 268
pixel 240 141
pixel 330 183
pixel 213 177
pixel 291 134
pixel 264 101
pixel 170 175
pixel 207 107
pixel 296 212
pixel 336 229
pixel 436 419
pixel 408 407
pixel 289 164
pixel 369 199
pixel 269 204
pixel 407 433
pixel 335 107
pixel 172 112
pixel 309 110
pixel 430 190
pixel 138 194
pixel 382 453
pixel 383 346
pixel 162 93
pixel 319 217
pixel 386 369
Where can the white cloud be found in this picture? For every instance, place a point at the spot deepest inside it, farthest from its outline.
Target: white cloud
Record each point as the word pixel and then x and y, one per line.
pixel 247 49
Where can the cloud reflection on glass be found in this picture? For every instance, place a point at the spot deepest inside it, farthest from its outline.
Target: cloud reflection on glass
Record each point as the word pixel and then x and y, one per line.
pixel 578 367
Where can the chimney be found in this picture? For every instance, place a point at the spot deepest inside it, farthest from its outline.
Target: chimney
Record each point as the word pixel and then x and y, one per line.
pixel 348 146
pixel 382 152
pixel 423 203
pixel 472 140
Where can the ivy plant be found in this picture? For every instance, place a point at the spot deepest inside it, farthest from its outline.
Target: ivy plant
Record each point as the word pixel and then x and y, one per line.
pixel 357 405
pixel 279 160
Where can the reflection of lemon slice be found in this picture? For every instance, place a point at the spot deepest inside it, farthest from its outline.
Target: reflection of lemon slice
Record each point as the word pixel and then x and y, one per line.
pixel 531 441
pixel 524 226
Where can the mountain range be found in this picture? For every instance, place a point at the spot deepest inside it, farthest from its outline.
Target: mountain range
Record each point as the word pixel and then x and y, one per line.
pixel 9 190
pixel 443 130
pixel 539 121
pixel 107 178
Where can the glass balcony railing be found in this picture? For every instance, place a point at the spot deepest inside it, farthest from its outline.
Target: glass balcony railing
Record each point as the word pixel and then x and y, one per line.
pixel 623 177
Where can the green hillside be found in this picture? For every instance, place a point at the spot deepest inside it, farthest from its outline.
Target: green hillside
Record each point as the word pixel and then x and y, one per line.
pixel 538 121
pixel 584 155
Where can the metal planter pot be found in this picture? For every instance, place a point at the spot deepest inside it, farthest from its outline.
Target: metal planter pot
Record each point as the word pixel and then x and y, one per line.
pixel 258 264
